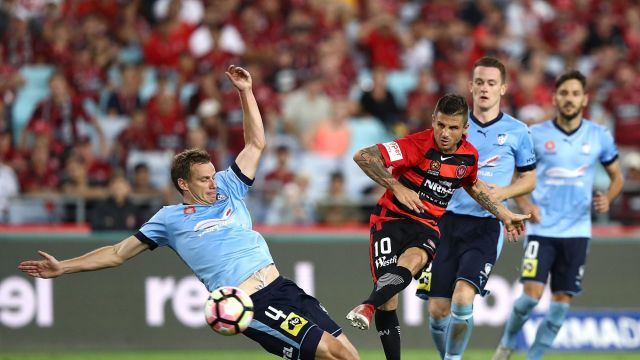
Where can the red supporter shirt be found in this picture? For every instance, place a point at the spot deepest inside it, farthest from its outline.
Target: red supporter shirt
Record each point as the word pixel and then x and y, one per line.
pixel 419 165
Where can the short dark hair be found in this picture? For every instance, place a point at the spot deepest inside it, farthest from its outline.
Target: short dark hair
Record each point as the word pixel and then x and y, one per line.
pixel 488 61
pixel 453 105
pixel 182 162
pixel 571 75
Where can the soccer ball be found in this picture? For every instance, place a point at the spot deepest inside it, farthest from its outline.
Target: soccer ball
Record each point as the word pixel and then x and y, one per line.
pixel 228 310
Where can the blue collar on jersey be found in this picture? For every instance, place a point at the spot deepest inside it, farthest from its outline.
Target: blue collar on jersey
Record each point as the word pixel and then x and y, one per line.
pixel 555 123
pixel 488 123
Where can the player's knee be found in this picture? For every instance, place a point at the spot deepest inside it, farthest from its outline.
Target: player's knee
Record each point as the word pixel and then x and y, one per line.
pixel 464 292
pixel 413 259
pixel 533 289
pixel 439 310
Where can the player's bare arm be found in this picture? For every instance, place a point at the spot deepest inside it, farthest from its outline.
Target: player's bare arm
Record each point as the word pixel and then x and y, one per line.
pixel 254 139
pixel 102 258
pixel 602 201
pixel 370 160
pixel 514 223
pixel 522 183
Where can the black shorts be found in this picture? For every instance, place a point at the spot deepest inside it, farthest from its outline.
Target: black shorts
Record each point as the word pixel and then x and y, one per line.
pixel 564 258
pixel 468 250
pixel 393 237
pixel 287 322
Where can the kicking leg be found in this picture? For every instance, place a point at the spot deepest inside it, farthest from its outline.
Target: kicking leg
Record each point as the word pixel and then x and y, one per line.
pixel 550 326
pixel 439 317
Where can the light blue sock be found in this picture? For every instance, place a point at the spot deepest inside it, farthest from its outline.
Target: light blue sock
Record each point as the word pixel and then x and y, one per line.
pixel 522 308
pixel 548 329
pixel 439 332
pixel 459 331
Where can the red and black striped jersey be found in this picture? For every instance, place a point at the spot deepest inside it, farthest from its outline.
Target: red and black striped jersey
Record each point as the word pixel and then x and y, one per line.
pixel 419 165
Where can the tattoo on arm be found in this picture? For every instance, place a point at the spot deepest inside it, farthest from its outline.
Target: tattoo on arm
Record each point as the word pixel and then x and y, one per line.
pixel 486 202
pixel 480 193
pixel 372 163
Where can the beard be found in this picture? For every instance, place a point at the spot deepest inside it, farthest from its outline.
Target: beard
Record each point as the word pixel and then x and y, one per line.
pixel 570 115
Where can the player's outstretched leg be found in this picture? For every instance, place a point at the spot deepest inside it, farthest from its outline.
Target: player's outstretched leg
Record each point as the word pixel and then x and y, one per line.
pixel 548 329
pixel 385 288
pixel 520 313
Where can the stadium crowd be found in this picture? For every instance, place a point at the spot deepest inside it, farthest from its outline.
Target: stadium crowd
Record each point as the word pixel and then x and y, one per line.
pixel 97 95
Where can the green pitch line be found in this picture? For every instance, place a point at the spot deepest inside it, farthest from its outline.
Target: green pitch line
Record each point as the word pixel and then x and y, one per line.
pixel 257 355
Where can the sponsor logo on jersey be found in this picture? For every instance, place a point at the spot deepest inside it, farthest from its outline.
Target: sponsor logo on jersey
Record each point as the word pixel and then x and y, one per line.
pixel 383 261
pixel 529 268
pixel 490 162
pixel 293 324
pixel 461 171
pixel 439 189
pixel 502 138
pixel 586 148
pixel 393 149
pixel 559 172
pixel 214 224
pixel 550 146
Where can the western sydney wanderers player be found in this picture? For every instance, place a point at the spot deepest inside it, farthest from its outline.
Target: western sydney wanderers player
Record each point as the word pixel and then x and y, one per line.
pixel 427 168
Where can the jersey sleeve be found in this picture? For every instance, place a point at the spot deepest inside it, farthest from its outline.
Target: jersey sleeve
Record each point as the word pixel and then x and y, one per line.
pixel 400 153
pixel 154 232
pixel 525 155
pixel 234 182
pixel 609 152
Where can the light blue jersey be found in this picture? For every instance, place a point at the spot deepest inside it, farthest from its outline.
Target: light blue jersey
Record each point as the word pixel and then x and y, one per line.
pixel 216 241
pixel 504 144
pixel 566 163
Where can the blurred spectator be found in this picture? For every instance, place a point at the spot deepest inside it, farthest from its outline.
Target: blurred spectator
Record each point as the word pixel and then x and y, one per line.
pixel 59 115
pixel 623 101
pixel 336 207
pixel 335 65
pixel 9 188
pixel 41 174
pixel 215 131
pixel 169 39
pixel 293 205
pixel 125 98
pixel 78 181
pixel 19 44
pixel 382 41
pixel 305 107
pixel 141 184
pixel 331 137
pixel 628 209
pixel 99 170
pixel 117 211
pixel 421 101
pixel 282 174
pixel 85 75
pixel 137 136
pixel 10 82
pixel 419 49
pixel 379 102
pixel 166 120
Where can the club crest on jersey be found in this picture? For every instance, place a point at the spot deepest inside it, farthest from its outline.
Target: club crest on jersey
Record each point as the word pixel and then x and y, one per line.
pixel 435 165
pixel 189 210
pixel 461 171
pixel 550 145
pixel 502 138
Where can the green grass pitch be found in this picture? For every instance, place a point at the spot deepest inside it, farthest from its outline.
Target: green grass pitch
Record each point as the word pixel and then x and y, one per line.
pixel 258 355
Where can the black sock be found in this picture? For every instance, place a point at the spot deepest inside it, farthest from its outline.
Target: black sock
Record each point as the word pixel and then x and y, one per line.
pixel 389 332
pixel 388 285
